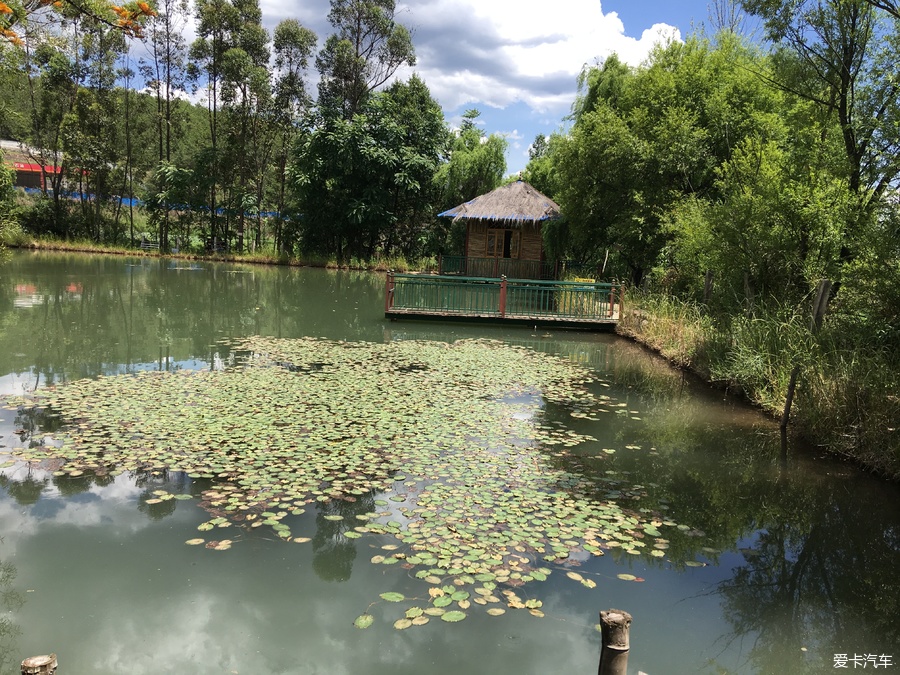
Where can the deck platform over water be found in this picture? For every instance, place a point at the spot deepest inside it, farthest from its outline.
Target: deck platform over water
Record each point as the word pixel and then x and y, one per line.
pixel 582 304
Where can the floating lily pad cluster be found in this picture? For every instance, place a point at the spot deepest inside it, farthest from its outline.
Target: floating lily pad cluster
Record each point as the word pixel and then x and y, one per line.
pixel 448 441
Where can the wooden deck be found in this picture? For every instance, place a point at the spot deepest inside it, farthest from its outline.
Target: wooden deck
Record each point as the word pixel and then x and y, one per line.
pixel 573 303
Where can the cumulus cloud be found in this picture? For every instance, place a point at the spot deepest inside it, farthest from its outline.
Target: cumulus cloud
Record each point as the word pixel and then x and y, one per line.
pixel 501 52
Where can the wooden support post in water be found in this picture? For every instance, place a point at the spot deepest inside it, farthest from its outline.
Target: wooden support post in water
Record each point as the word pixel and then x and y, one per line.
pixel 614 628
pixel 503 297
pixel 789 398
pixel 39 665
pixel 388 291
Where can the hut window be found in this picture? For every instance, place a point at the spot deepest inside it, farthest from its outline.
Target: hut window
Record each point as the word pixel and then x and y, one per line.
pixel 502 243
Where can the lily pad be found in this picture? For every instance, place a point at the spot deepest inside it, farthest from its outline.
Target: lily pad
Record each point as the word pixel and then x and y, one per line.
pixel 364 621
pixel 453 617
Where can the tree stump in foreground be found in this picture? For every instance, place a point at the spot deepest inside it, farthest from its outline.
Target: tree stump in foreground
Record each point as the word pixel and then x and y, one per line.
pixel 39 665
pixel 614 627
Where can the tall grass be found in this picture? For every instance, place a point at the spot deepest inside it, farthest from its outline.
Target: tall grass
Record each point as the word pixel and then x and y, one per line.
pixel 680 331
pixel 848 396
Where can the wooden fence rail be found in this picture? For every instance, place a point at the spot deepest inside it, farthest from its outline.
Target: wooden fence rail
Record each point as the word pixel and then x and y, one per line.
pixel 574 302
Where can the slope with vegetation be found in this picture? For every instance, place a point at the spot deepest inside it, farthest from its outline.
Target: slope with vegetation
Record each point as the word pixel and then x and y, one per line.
pixel 724 180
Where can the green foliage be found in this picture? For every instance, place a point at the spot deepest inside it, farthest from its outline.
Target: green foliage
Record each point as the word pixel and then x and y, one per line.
pixel 541 169
pixel 774 231
pixel 476 165
pixel 7 201
pixel 364 184
pixel 645 139
pixel 368 47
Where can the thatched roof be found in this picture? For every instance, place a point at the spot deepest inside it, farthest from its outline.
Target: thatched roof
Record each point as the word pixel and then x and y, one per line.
pixel 517 202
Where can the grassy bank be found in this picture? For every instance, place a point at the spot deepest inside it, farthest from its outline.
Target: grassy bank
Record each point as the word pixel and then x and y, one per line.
pixel 848 396
pixel 396 263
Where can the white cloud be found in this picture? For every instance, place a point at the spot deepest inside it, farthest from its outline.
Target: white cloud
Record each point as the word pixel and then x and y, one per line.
pixel 500 52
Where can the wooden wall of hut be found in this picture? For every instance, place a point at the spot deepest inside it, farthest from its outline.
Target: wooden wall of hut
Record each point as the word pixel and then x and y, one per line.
pixel 530 245
pixel 477 239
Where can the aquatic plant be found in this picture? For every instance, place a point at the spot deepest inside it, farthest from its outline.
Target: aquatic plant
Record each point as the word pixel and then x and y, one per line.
pixel 445 445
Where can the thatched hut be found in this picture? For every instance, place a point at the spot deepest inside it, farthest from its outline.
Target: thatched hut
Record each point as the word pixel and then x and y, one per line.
pixel 503 231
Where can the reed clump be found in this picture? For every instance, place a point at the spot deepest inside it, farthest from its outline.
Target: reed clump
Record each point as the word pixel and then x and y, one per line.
pixel 848 397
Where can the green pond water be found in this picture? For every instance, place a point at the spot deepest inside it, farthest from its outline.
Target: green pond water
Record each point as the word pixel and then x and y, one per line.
pixel 739 555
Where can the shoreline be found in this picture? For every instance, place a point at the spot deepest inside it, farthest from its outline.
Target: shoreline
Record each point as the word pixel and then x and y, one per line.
pixel 630 328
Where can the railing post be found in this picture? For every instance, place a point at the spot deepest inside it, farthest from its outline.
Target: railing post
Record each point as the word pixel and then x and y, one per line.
pixel 389 292
pixel 503 297
pixel 615 297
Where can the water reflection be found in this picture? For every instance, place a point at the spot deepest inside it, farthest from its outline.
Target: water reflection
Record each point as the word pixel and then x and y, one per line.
pixel 106 315
pixel 334 551
pixel 794 551
pixel 11 601
pixel 807 578
pixel 26 491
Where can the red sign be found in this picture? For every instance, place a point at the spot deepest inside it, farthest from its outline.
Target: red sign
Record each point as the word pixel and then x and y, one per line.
pixel 36 168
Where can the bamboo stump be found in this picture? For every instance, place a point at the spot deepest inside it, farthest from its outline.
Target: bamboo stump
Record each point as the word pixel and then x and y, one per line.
pixel 39 665
pixel 614 627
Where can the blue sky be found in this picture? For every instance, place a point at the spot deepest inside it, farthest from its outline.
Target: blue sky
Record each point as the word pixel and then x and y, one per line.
pixel 643 22
pixel 516 60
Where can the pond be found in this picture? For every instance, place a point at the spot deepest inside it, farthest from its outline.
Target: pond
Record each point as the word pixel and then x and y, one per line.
pixel 230 469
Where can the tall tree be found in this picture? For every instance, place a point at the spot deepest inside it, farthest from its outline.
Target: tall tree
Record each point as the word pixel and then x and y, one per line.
pixel 165 73
pixel 365 51
pixel 293 45
pixel 165 70
pixel 217 22
pixel 53 68
pixel 246 95
pixel 364 185
pixel 90 129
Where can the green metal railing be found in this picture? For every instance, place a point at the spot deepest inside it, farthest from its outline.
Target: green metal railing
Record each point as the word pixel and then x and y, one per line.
pixel 512 268
pixel 502 298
